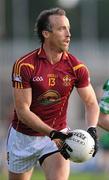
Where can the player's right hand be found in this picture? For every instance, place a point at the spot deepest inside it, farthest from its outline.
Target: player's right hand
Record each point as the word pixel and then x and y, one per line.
pixel 65 151
pixel 59 139
pixel 59 135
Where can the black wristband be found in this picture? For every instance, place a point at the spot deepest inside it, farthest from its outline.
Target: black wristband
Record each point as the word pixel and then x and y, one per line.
pixel 93 132
pixel 59 135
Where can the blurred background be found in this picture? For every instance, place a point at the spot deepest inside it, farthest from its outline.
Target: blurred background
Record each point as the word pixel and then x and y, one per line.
pixel 90 43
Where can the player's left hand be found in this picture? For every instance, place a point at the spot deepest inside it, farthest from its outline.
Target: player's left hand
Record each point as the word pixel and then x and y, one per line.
pixel 92 131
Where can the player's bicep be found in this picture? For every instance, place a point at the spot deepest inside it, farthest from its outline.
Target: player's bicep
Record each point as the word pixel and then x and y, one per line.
pixel 87 94
pixel 22 98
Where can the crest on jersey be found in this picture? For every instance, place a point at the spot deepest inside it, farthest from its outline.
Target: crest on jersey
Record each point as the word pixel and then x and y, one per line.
pixel 67 80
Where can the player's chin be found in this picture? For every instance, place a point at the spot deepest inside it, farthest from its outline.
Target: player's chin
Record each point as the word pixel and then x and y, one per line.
pixel 65 48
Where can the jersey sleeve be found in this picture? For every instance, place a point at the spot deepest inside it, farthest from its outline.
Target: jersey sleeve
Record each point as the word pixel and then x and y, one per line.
pixel 83 76
pixel 21 75
pixel 104 101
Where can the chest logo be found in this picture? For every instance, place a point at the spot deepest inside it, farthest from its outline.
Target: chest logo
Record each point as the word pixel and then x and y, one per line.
pixel 38 78
pixel 67 80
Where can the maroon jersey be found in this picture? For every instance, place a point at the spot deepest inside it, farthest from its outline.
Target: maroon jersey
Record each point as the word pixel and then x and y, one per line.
pixel 51 86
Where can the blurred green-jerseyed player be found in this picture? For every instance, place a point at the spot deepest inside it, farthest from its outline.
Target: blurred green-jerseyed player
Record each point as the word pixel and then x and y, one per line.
pixel 104 107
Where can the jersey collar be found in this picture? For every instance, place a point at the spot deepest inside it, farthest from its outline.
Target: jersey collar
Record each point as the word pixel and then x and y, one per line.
pixel 42 55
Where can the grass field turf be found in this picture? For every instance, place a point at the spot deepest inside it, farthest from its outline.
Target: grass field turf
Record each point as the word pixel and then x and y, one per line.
pixel 76 176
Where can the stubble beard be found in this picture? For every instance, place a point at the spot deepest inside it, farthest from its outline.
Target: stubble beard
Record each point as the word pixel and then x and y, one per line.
pixel 65 49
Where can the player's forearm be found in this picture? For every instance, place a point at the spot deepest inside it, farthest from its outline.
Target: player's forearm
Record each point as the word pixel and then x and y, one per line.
pixel 92 114
pixel 33 121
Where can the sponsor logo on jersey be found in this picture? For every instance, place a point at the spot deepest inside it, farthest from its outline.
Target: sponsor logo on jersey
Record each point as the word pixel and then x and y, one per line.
pixel 17 78
pixel 67 80
pixel 38 78
pixel 49 97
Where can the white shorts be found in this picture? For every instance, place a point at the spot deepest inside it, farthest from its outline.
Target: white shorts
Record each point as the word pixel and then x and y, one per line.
pixel 24 151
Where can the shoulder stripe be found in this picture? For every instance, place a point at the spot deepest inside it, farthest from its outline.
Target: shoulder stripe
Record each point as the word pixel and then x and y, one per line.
pixel 78 67
pixel 25 64
pixel 18 64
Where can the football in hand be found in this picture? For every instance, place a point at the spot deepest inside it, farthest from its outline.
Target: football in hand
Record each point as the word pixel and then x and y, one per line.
pixel 82 145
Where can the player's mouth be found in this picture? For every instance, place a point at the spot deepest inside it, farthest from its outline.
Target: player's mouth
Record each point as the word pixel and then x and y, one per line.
pixel 67 41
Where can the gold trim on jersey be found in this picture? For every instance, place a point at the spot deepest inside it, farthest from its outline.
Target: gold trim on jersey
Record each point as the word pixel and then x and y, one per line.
pixel 18 85
pixel 78 67
pixel 25 64
pixel 17 68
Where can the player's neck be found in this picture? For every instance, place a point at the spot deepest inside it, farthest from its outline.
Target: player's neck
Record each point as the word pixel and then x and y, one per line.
pixel 53 55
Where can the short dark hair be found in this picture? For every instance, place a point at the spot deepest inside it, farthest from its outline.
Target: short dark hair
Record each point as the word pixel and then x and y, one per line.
pixel 42 21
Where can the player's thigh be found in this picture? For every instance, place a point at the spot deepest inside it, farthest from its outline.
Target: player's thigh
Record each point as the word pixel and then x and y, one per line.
pixel 21 176
pixel 56 167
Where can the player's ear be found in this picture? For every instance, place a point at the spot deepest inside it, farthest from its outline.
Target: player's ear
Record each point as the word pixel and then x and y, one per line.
pixel 45 34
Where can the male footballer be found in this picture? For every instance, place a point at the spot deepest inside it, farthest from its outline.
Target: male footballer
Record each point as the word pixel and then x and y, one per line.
pixel 42 82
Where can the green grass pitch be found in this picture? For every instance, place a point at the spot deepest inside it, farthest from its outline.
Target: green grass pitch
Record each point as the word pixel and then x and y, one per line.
pixel 38 175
